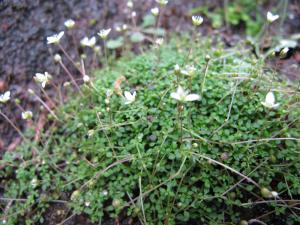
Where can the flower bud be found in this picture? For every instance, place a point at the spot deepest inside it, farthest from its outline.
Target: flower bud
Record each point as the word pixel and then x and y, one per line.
pixel 27 115
pixel 30 91
pixel 67 84
pixel 283 52
pixel 266 193
pixel 69 24
pixel 75 195
pixel 91 133
pixel 86 79
pixel 243 222
pixel 116 203
pixel 57 58
pixel 97 49
pixel 207 58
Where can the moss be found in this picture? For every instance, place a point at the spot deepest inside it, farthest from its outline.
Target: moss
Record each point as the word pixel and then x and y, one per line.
pixel 131 159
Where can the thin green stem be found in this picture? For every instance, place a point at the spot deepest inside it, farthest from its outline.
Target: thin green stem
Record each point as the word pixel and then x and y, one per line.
pixel 46 106
pixel 105 54
pixel 69 58
pixel 205 74
pixel 12 124
pixel 71 77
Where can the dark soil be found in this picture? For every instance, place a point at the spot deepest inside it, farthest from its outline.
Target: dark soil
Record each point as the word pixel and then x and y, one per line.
pixel 24 26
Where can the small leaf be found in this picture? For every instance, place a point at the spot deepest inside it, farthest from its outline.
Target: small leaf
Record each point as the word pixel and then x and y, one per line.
pixel 148 20
pixel 115 43
pixel 137 37
pixel 155 31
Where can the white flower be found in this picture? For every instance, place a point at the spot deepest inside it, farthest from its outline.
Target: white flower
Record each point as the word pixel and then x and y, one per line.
pixel 104 33
pixel 105 192
pixel 274 194
pixel 54 39
pixel 271 17
pixel 42 78
pixel 118 28
pixel 159 41
pixel 197 20
pixel 34 182
pixel 122 28
pixel 27 115
pixel 5 97
pixel 162 2
pixel 188 71
pixel 183 96
pixel 133 14
pixel 270 101
pixel 87 204
pixel 91 133
pixel 177 68
pixel 86 79
pixel 69 23
pixel 88 42
pixel 130 4
pixel 109 93
pixel 155 11
pixel 129 98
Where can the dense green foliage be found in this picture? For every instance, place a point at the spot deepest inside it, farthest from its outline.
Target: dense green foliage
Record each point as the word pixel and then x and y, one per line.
pixel 237 14
pixel 137 158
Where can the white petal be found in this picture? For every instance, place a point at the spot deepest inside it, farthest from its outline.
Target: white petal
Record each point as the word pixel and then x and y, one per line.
pixel 180 91
pixel 175 95
pixel 39 76
pixel 128 95
pixel 270 98
pixel 134 94
pixel 92 41
pixel 266 105
pixel 59 36
pixel 50 40
pixel 84 41
pixel 7 95
pixel 192 97
pixel 272 17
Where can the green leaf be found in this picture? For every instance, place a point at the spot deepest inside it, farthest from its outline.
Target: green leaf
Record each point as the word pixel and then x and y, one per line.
pixel 115 43
pixel 155 31
pixel 148 20
pixel 137 37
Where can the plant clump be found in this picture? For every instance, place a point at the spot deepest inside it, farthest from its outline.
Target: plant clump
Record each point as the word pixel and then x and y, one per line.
pixel 172 136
